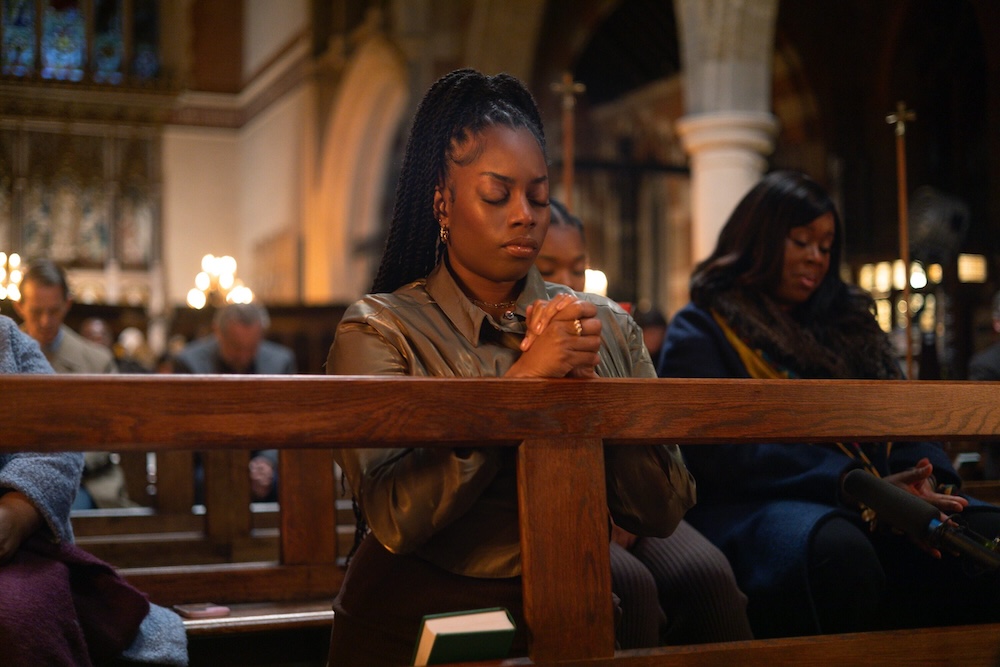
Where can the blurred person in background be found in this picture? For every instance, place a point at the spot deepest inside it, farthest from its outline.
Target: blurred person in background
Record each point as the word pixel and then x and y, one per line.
pixel 45 301
pixel 237 346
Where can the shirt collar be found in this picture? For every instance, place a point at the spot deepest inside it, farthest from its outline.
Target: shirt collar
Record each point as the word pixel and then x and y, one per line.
pixel 53 347
pixel 467 317
pixel 57 341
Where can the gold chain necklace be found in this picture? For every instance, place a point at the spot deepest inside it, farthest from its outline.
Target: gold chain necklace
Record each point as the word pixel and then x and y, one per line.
pixel 506 306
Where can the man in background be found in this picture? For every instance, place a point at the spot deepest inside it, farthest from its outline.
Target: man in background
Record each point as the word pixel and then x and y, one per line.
pixel 45 301
pixel 129 351
pixel 237 346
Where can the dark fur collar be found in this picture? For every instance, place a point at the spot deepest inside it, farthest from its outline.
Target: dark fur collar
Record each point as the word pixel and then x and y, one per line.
pixel 807 349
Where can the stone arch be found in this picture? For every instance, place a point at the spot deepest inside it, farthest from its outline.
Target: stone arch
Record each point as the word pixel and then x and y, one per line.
pixel 353 165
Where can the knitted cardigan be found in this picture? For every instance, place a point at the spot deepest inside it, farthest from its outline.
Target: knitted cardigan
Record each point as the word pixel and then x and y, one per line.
pixel 50 482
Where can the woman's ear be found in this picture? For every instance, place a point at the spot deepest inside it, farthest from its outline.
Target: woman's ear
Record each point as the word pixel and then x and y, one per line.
pixel 440 203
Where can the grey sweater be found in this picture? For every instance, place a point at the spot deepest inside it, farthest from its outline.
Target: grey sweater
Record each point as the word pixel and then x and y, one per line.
pixel 50 481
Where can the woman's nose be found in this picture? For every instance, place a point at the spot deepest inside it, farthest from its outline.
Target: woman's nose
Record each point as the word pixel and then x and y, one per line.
pixel 523 213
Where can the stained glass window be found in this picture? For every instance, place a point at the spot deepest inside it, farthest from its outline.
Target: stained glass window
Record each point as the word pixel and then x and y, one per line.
pixel 109 44
pixel 103 41
pixel 18 37
pixel 145 29
pixel 64 41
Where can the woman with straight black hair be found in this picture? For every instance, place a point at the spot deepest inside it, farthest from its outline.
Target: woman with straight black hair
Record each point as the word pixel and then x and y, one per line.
pixel 769 303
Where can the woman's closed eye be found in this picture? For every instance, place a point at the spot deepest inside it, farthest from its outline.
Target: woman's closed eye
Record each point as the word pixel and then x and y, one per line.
pixel 496 199
pixel 822 247
pixel 500 200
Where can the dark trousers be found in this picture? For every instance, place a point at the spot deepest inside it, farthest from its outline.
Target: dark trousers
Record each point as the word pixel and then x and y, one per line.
pixel 866 581
pixel 384 597
pixel 677 590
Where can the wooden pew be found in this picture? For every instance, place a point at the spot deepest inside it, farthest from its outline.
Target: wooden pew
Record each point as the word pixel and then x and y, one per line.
pixel 560 428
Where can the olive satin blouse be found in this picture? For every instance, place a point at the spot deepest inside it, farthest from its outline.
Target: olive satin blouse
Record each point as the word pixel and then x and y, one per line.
pixel 457 508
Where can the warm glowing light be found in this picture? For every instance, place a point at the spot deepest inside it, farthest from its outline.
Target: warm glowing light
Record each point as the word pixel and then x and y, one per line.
pixel 935 273
pixel 883 313
pixel 866 277
pixel 898 274
pixel 227 264
pixel 928 316
pixel 240 294
pixel 196 298
pixel 596 282
pixel 10 276
pixel 971 268
pixel 918 279
pixel 883 277
pixel 217 283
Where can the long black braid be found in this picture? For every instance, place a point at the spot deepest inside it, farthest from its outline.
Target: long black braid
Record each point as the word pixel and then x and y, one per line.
pixel 457 106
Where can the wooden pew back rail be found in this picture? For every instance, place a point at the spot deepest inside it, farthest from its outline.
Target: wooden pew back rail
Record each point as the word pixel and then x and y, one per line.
pixel 559 428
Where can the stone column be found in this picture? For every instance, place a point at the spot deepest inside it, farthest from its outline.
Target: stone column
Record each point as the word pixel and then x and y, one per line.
pixel 728 129
pixel 727 150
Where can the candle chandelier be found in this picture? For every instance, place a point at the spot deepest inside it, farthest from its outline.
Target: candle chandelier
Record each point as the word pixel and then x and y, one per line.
pixel 216 284
pixel 10 276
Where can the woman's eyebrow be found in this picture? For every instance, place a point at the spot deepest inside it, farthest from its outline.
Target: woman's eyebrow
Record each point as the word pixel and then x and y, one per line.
pixel 510 180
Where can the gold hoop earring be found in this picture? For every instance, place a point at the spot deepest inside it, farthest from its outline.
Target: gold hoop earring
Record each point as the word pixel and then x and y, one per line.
pixel 444 235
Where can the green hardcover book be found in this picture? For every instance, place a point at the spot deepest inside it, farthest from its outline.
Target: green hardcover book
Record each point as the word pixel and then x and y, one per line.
pixel 464 636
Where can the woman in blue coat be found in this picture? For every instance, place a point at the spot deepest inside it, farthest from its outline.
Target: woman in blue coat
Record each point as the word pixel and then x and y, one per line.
pixel 769 303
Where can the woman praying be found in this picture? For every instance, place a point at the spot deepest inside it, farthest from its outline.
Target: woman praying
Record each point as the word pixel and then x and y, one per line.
pixel 457 295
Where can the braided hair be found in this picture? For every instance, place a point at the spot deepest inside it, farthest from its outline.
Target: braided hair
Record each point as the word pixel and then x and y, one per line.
pixel 457 107
pixel 460 105
pixel 561 217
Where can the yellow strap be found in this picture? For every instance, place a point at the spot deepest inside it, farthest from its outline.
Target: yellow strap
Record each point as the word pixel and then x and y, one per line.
pixel 760 369
pixel 757 366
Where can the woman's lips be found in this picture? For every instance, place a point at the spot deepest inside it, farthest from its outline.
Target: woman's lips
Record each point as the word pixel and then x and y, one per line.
pixel 522 247
pixel 808 282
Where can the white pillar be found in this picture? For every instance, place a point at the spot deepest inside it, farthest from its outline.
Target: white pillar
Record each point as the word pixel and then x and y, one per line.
pixel 727 48
pixel 728 152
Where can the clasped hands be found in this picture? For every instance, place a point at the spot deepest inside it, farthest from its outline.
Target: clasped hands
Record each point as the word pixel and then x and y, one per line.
pixel 562 340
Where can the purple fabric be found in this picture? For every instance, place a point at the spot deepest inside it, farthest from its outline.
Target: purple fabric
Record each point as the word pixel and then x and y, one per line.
pixel 60 605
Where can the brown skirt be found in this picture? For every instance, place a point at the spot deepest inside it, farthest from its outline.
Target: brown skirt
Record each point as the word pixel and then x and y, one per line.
pixel 384 597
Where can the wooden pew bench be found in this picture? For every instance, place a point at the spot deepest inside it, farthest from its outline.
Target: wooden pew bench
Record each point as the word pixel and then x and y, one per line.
pixel 560 429
pixel 263 633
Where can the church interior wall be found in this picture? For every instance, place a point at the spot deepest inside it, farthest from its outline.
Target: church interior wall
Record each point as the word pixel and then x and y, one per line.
pixel 268 26
pixel 270 177
pixel 201 204
pixel 348 210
